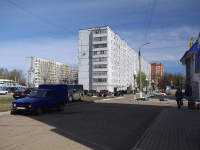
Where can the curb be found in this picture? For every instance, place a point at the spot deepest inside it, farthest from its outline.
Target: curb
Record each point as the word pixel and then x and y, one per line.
pixel 4 113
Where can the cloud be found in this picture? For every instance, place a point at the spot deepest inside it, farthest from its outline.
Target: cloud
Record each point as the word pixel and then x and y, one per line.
pixel 167 45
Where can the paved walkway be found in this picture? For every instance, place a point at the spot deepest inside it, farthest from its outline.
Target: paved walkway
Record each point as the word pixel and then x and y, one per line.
pixel 174 129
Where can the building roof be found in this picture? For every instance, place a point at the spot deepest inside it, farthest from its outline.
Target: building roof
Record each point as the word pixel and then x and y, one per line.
pixel 190 52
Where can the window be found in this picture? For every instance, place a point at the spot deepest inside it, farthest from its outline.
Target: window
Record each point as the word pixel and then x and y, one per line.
pixel 49 93
pixel 95 52
pixel 100 66
pixel 99 73
pixel 102 52
pixel 100 31
pixel 99 45
pixel 76 87
pixel 96 39
pixel 100 59
pixel 100 80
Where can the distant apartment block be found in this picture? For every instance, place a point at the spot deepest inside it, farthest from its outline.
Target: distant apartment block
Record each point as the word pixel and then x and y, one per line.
pixel 42 71
pixel 157 71
pixel 106 61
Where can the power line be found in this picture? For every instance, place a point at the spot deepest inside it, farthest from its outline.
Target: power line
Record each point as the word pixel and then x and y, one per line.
pixel 41 17
pixel 129 14
pixel 148 19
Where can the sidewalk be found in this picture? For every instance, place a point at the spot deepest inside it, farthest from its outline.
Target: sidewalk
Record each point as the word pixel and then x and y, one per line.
pixel 174 129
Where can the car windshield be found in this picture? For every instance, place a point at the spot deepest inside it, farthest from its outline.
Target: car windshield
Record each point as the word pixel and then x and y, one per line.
pixel 20 90
pixel 2 88
pixel 70 87
pixel 37 93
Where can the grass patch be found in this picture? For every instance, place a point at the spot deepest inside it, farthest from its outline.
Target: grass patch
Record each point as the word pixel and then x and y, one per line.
pixel 91 99
pixel 5 104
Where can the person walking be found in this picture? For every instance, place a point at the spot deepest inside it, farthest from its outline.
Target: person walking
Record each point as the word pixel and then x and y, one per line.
pixel 179 97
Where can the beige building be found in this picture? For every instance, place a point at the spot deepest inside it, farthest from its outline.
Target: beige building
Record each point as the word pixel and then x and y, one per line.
pixel 157 71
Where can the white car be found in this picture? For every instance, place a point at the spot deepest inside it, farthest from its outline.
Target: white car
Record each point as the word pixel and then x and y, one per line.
pixel 3 92
pixel 158 93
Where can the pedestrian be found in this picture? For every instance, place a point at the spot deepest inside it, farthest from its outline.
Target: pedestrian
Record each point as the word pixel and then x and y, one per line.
pixel 179 97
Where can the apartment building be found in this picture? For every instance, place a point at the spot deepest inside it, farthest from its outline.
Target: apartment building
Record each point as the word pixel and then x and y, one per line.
pixel 106 61
pixel 157 71
pixel 41 71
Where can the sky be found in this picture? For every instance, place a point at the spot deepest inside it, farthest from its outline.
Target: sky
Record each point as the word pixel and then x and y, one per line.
pixel 49 28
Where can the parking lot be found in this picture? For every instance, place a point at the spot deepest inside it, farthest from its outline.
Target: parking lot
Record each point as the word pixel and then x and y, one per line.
pixel 105 124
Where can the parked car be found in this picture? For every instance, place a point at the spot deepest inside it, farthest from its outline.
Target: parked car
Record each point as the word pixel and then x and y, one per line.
pixel 167 93
pixel 3 91
pixel 119 93
pixel 11 89
pixel 75 92
pixel 85 92
pixel 158 93
pixel 103 93
pixel 92 93
pixel 45 97
pixel 21 93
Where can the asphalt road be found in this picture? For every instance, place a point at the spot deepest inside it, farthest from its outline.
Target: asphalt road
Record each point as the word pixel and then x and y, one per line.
pixel 115 124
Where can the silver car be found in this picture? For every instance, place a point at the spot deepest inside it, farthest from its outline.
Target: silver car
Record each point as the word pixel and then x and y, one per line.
pixel 158 93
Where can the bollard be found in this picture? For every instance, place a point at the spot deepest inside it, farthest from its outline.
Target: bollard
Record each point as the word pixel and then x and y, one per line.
pixel 191 104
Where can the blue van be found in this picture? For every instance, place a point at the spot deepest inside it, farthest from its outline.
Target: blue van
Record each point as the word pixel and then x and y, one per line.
pixel 45 97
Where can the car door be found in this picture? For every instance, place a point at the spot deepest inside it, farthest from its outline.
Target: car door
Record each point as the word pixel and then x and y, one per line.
pixel 50 99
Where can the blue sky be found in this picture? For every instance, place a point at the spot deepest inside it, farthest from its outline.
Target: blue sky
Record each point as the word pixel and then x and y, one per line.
pixel 49 28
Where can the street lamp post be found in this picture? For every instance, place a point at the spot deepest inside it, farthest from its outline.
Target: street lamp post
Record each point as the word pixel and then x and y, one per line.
pixel 152 87
pixel 134 75
pixel 140 69
pixel 146 85
pixel 152 84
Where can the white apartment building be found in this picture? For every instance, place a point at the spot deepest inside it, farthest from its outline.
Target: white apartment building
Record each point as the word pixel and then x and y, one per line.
pixel 106 61
pixel 41 71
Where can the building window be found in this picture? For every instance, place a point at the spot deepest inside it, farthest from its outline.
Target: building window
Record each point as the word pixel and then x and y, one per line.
pixel 96 39
pixel 95 80
pixel 100 31
pixel 99 45
pixel 95 52
pixel 99 73
pixel 102 52
pixel 100 59
pixel 100 66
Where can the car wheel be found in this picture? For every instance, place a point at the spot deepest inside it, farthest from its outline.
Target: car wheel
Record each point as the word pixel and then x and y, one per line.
pixel 162 95
pixel 13 113
pixel 70 98
pixel 39 110
pixel 81 98
pixel 60 107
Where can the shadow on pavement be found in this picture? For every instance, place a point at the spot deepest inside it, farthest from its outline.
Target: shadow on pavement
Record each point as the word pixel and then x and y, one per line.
pixel 102 125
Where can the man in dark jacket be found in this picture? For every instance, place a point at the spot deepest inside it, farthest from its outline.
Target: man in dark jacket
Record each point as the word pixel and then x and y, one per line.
pixel 179 97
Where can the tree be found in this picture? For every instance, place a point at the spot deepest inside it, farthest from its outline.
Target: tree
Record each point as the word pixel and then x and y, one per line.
pixel 169 79
pixel 16 75
pixel 143 76
pixel 45 74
